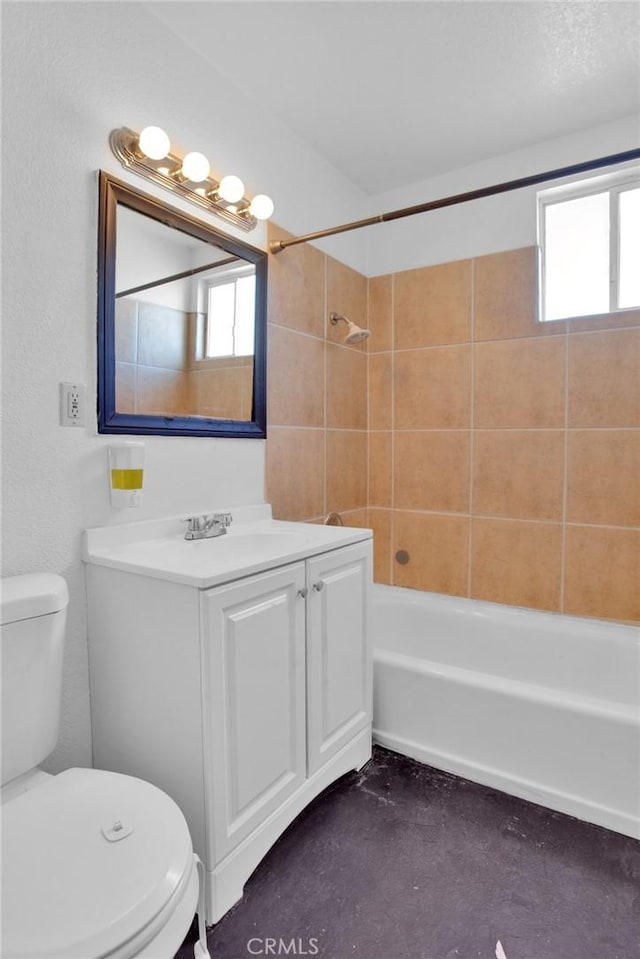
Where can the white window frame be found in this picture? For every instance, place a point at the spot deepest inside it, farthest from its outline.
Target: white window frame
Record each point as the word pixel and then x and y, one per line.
pixel 612 183
pixel 223 278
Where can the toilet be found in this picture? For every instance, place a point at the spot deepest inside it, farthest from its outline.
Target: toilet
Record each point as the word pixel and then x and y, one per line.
pixel 94 864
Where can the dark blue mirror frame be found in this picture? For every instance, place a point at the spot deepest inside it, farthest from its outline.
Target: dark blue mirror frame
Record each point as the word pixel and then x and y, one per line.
pixel 111 193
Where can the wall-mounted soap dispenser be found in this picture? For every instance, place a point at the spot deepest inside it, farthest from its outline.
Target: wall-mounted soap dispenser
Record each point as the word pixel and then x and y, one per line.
pixel 126 472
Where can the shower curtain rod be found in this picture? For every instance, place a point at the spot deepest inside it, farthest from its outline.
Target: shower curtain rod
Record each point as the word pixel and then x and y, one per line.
pixel 277 246
pixel 177 276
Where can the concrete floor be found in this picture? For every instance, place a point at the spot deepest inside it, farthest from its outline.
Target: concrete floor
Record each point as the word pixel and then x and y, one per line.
pixel 401 861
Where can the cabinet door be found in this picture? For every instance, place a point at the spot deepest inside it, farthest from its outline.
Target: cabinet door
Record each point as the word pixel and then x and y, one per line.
pixel 339 670
pixel 253 646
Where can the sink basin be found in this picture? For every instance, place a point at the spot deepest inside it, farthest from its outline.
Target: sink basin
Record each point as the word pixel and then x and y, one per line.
pixel 254 542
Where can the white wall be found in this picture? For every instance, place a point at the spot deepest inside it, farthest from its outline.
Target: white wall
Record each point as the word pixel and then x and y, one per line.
pixel 71 73
pixel 503 222
pixel 147 251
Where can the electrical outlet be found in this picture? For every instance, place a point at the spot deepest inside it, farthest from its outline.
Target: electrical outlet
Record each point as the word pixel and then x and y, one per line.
pixel 72 404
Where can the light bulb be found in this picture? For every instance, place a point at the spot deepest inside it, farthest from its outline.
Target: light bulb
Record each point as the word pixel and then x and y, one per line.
pixel 154 143
pixel 261 206
pixel 231 189
pixel 195 167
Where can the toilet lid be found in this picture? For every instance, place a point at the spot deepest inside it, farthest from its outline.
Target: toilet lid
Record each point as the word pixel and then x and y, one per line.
pixel 90 860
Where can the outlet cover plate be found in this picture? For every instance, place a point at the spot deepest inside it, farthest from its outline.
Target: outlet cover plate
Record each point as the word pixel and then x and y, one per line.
pixel 72 404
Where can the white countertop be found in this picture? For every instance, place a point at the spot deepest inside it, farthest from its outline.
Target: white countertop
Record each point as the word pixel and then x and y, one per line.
pixel 253 543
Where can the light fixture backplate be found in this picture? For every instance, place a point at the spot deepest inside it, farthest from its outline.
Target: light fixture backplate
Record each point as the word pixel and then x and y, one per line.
pixel 124 144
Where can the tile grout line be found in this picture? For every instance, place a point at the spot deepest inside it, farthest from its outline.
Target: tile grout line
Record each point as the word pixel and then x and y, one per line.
pixel 135 363
pixel 603 329
pixel 563 539
pixel 312 336
pixel 317 429
pixel 494 518
pixel 392 525
pixel 584 525
pixel 368 424
pixel 538 337
pixel 324 385
pixel 516 429
pixel 472 423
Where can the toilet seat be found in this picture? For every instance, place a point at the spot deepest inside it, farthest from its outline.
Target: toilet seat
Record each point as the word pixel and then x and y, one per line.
pixel 95 865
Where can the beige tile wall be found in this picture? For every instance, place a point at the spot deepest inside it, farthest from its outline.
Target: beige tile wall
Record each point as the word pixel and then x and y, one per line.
pixel 317 444
pixel 504 454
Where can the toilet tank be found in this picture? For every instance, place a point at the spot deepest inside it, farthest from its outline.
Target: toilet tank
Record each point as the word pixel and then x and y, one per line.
pixel 33 611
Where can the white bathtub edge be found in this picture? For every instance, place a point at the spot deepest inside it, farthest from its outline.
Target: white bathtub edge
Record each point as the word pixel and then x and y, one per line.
pixel 487 776
pixel 548 696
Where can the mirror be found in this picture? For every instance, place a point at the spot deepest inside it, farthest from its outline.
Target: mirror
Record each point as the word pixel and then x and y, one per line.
pixel 181 322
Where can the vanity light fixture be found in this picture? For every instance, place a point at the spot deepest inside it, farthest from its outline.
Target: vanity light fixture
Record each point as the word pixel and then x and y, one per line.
pixel 149 154
pixel 231 188
pixel 154 143
pixel 195 167
pixel 261 206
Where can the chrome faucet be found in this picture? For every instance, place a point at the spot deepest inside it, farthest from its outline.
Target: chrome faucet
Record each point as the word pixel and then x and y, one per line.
pixel 206 527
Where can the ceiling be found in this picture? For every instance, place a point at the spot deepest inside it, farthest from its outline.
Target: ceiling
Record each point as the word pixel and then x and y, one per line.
pixel 392 93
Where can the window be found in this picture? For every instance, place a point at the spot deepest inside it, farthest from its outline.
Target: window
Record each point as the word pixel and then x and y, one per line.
pixel 589 237
pixel 230 311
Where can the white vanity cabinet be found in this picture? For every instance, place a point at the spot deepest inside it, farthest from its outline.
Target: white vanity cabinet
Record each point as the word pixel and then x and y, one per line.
pixel 338 656
pixel 254 730
pixel 243 700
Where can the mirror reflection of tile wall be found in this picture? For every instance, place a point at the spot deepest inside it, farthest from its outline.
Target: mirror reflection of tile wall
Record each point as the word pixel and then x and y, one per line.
pixel 157 373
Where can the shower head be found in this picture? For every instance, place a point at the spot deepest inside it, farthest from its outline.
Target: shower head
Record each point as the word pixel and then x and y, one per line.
pixel 355 334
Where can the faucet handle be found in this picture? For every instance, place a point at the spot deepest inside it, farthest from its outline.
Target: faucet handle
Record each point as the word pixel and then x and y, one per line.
pixel 225 519
pixel 196 526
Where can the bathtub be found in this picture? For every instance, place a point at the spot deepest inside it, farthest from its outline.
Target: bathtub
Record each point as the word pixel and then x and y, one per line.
pixel 542 706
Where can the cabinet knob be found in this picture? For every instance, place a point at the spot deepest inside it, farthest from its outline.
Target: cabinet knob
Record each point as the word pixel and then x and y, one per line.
pixel 319 586
pixel 302 593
